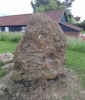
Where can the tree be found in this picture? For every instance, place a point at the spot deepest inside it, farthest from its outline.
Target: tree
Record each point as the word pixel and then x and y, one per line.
pixel 38 3
pixel 58 4
pixel 69 16
pixel 68 3
pixel 52 5
pixel 82 24
pixel 41 2
pixel 33 6
pixel 47 5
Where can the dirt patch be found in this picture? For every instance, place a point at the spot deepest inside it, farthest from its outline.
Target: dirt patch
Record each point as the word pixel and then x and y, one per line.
pixel 65 87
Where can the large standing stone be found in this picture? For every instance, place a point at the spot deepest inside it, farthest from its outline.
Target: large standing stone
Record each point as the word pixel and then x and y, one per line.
pixel 41 53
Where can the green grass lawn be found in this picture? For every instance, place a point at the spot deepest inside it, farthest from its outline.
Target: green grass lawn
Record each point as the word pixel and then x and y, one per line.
pixel 6 46
pixel 76 61
pixel 75 58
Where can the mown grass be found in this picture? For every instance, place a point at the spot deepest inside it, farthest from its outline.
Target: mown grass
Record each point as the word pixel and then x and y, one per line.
pixel 7 46
pixel 76 61
pixel 75 56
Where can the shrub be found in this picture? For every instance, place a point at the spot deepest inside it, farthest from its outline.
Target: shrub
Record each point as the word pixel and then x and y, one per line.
pixel 12 36
pixel 76 44
pixel 4 37
pixel 16 37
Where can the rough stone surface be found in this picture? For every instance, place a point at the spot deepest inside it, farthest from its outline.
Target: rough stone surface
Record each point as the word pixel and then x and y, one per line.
pixel 67 87
pixel 8 67
pixel 41 53
pixel 6 58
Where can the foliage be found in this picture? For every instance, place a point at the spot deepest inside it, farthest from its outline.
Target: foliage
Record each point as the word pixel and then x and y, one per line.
pixel 2 72
pixel 39 3
pixel 13 37
pixel 76 44
pixel 48 5
pixel 51 6
pixel 70 20
pixel 68 3
pixel 33 6
pixel 69 16
pixel 82 24
pixel 40 9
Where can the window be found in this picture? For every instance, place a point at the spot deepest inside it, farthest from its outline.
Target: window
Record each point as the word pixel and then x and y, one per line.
pixel 23 28
pixel 0 29
pixel 6 29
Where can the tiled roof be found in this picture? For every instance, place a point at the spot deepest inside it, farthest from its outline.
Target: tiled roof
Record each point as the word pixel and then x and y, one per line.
pixel 71 26
pixel 14 20
pixel 55 14
pixel 23 18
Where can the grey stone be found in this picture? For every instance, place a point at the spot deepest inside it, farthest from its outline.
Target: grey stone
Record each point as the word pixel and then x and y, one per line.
pixel 8 67
pixel 41 53
pixel 6 58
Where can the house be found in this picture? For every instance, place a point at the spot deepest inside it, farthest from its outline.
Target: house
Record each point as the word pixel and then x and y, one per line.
pixel 15 23
pixel 77 19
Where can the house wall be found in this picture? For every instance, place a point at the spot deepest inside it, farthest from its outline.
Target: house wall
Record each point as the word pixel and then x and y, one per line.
pixel 13 28
pixel 66 28
pixel 70 31
pixel 63 18
pixel 72 34
pixel 2 28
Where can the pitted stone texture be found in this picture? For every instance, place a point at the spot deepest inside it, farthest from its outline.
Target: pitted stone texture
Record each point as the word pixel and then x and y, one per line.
pixel 6 58
pixel 41 53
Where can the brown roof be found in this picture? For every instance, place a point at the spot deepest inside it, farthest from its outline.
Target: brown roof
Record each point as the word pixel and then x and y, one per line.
pixel 14 20
pixel 71 26
pixel 55 14
pixel 23 18
pixel 77 18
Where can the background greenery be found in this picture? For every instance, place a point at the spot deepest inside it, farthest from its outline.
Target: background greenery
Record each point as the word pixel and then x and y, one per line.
pixel 11 36
pixel 49 5
pixel 82 25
